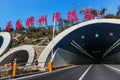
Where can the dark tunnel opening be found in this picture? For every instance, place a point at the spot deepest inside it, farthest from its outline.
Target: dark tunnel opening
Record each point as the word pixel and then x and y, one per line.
pixel 1 41
pixel 20 56
pixel 95 43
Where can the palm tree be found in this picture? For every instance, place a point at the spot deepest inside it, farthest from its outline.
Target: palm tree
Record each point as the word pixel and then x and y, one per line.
pixel 94 12
pixel 102 12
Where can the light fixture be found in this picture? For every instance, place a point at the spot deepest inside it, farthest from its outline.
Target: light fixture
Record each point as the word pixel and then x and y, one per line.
pixel 96 35
pixel 82 37
pixel 110 34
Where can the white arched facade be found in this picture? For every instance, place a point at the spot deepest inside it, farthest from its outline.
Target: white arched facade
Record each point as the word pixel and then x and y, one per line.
pixel 28 48
pixel 44 55
pixel 6 42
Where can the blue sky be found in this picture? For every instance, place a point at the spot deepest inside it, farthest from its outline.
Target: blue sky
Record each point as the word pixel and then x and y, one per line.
pixel 11 10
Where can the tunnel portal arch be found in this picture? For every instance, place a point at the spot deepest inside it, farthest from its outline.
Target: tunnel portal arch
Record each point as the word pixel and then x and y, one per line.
pixel 5 42
pixel 23 54
pixel 70 39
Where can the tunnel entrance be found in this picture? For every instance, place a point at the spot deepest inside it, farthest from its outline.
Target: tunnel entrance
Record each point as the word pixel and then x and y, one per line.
pixel 20 56
pixel 91 42
pixel 95 43
pixel 1 41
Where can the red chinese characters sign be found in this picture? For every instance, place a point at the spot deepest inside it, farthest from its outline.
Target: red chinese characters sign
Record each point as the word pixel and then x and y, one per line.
pixel 56 17
pixel 30 22
pixel 8 27
pixel 43 20
pixel 18 24
pixel 72 16
pixel 88 13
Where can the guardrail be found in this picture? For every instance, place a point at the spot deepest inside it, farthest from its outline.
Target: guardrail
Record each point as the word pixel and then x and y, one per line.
pixel 17 70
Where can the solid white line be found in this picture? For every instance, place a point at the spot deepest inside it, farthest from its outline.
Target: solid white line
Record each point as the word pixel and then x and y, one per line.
pixel 85 72
pixel 112 67
pixel 35 75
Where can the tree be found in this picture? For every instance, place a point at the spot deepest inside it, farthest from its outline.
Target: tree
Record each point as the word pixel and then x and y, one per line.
pixel 103 12
pixel 66 23
pixel 60 25
pixel 118 12
pixel 109 16
pixel 22 30
pixel 94 12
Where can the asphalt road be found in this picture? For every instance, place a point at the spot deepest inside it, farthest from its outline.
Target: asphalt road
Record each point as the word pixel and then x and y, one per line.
pixel 102 72
pixel 81 72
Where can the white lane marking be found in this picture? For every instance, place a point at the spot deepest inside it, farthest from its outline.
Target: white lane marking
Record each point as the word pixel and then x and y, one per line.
pixel 35 75
pixel 112 67
pixel 85 72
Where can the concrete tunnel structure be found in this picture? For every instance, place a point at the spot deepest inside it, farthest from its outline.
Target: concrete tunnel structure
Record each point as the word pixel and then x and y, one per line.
pixel 91 42
pixel 5 42
pixel 24 54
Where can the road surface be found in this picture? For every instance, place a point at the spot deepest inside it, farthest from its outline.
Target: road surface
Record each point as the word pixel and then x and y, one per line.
pixel 81 72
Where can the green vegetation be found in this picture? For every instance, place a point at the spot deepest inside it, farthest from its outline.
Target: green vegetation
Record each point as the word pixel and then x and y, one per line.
pixel 36 34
